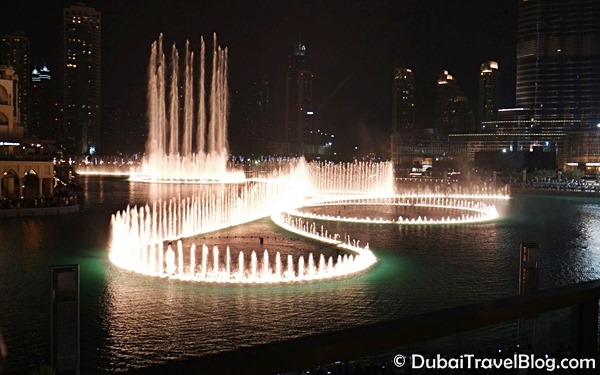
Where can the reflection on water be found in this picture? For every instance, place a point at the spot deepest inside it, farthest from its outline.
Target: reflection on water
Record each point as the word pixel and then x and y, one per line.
pixel 182 321
pixel 133 321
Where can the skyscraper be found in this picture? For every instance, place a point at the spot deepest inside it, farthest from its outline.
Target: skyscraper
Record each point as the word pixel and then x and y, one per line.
pixel 558 62
pixel 453 110
pixel 14 52
pixel 43 120
pixel 299 102
pixel 403 106
pixel 489 92
pixel 81 68
pixel 252 119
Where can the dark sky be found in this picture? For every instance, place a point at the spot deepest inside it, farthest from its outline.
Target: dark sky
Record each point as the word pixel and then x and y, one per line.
pixel 357 43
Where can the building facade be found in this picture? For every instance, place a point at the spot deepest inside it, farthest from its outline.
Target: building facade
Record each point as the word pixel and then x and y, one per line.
pixel 15 52
pixel 254 121
pixel 557 95
pixel 403 105
pixel 453 110
pixel 489 93
pixel 10 117
pixel 558 61
pixel 299 110
pixel 81 85
pixel 45 109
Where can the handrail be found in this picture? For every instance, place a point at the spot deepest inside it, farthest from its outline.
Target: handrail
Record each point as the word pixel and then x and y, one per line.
pixel 377 338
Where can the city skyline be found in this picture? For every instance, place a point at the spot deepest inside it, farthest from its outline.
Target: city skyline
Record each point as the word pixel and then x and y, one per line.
pixel 352 49
pixel 435 207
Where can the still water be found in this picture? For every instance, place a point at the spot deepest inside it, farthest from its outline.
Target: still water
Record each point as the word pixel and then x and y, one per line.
pixel 130 321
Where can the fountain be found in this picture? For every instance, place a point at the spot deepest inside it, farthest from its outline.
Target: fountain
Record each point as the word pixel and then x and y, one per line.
pixel 142 237
pixel 187 145
pixel 465 210
pixel 184 142
pixel 362 177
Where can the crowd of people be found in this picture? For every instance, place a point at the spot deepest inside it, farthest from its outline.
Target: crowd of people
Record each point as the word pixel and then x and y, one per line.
pixel 67 195
pixel 563 185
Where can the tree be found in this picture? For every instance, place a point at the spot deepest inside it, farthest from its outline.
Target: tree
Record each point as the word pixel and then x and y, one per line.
pixel 572 174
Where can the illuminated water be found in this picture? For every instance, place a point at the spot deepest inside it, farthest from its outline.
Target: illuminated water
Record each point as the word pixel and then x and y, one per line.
pixel 187 135
pixel 135 321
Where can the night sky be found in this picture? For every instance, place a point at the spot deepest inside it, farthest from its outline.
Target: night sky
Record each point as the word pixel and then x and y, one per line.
pixel 352 47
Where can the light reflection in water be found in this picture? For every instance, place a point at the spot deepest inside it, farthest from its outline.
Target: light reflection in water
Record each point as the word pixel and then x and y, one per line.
pixel 153 320
pixel 135 321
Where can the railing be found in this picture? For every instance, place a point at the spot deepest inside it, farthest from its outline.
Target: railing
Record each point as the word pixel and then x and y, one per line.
pixel 374 339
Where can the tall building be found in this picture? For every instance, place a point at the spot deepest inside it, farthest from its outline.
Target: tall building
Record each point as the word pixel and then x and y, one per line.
pixel 259 109
pixel 125 128
pixel 453 110
pixel 489 93
pixel 403 106
pixel 10 119
pixel 250 119
pixel 299 111
pixel 14 52
pixel 558 62
pixel 256 117
pixel 45 109
pixel 81 68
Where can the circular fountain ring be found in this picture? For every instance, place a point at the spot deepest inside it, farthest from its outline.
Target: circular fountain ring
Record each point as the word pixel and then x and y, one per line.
pixel 138 247
pixel 466 210
pixel 147 240
pixel 218 266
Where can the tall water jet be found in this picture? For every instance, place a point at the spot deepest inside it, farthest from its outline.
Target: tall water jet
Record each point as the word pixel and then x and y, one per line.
pixel 174 117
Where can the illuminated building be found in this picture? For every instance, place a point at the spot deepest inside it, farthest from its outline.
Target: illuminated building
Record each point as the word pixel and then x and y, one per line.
pixel 45 111
pixel 558 61
pixel 81 68
pixel 453 110
pixel 254 120
pixel 14 52
pixel 557 108
pixel 299 111
pixel 489 92
pixel 403 105
pixel 10 118
pixel 29 178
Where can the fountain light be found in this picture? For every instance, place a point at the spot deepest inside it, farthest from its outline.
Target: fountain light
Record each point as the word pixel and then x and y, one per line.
pixel 187 143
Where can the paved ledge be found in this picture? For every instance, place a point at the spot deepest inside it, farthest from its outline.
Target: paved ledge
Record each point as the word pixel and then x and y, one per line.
pixel 42 211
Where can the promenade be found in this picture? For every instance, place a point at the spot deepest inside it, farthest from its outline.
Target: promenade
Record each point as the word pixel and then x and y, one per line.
pixel 568 188
pixel 66 200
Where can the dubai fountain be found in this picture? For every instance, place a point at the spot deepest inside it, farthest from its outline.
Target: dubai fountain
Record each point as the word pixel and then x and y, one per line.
pixel 150 239
pixel 157 239
pixel 185 143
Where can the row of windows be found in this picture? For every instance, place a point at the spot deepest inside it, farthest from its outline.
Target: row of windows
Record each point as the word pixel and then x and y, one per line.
pixel 592 94
pixel 590 89
pixel 573 63
pixel 531 48
pixel 582 21
pixel 550 9
pixel 557 101
pixel 562 78
pixel 536 82
pixel 523 87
